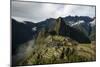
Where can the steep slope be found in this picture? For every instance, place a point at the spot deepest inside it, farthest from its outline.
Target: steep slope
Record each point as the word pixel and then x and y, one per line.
pixel 60 28
pixel 93 30
pixel 21 33
pixel 45 24
pixel 83 27
pixel 58 49
pixel 89 29
pixel 81 23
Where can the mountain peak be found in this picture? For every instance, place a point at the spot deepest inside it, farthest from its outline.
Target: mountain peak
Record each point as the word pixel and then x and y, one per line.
pixel 59 26
pixel 62 29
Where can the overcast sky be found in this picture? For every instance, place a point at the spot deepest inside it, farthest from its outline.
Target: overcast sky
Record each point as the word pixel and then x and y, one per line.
pixel 36 12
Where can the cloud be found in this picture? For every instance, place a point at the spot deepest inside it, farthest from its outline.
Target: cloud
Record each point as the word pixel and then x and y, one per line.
pixel 40 11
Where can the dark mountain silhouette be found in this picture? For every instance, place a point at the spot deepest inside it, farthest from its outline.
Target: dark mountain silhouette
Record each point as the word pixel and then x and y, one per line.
pixel 21 33
pixel 45 24
pixel 69 20
pixel 93 33
pixel 77 18
pixel 48 24
pixel 29 24
pixel 85 27
pixel 60 28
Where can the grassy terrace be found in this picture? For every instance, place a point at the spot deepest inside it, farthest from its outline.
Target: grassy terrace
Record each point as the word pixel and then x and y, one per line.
pixel 58 49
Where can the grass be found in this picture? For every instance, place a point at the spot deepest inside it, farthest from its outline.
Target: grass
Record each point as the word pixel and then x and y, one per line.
pixel 58 49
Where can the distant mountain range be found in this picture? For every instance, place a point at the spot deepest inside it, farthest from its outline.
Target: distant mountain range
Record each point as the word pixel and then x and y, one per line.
pixel 65 39
pixel 79 28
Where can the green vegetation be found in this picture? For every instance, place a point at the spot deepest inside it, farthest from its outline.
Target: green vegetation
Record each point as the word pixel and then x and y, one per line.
pixel 60 44
pixel 58 49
